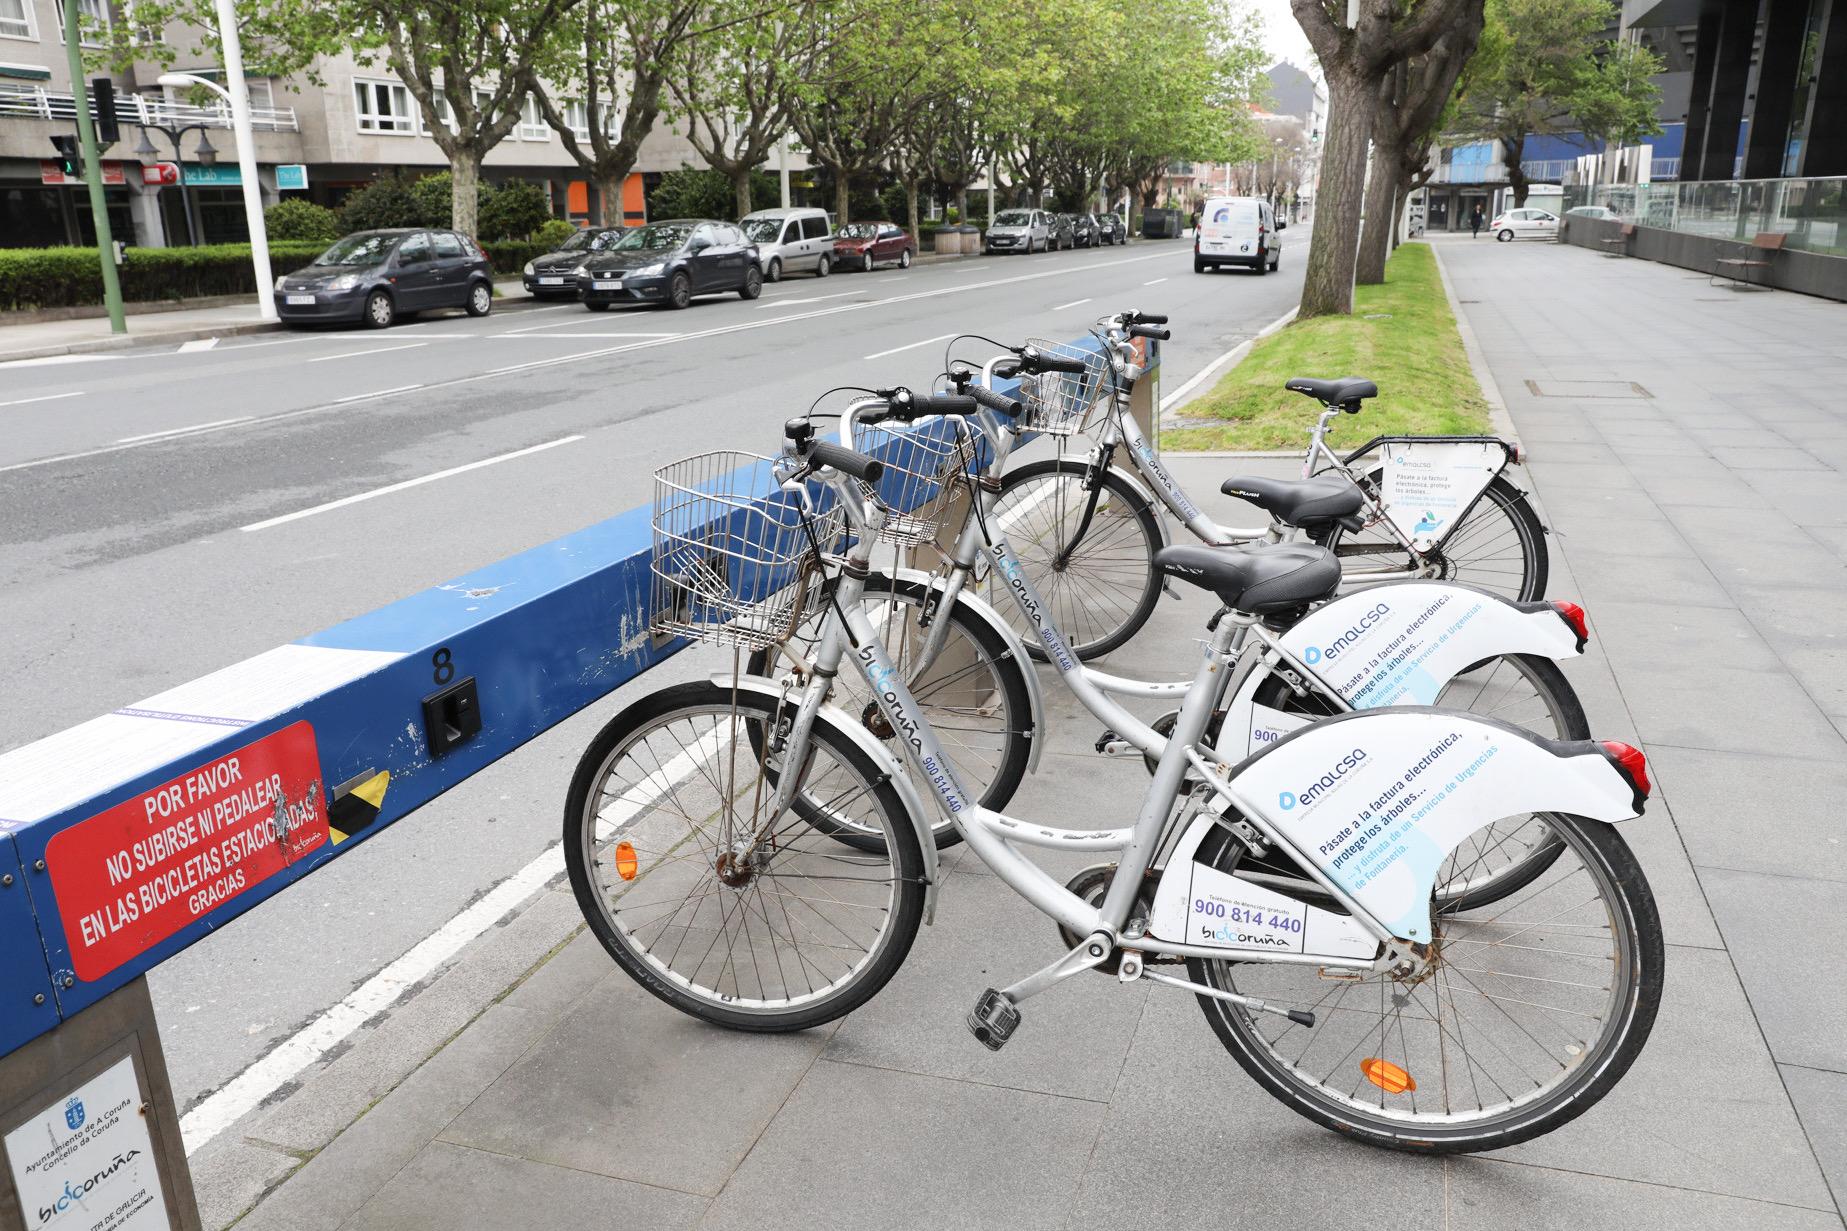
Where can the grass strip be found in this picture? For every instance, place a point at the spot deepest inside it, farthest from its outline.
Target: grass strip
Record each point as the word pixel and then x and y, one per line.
pixel 1401 335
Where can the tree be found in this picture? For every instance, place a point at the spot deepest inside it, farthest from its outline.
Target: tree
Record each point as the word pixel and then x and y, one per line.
pixel 1357 60
pixel 849 109
pixel 1545 68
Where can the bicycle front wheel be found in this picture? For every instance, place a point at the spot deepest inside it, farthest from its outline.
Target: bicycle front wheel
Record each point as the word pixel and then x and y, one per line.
pixel 1088 550
pixel 1525 1015
pixel 716 904
pixel 1498 545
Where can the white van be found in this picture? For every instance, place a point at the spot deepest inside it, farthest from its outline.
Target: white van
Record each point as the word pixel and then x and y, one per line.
pixel 1237 231
pixel 791 241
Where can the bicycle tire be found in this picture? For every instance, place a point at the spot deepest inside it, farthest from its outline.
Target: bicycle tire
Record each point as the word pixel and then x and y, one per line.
pixel 994 782
pixel 898 914
pixel 1536 850
pixel 1636 980
pixel 1139 531
pixel 1500 499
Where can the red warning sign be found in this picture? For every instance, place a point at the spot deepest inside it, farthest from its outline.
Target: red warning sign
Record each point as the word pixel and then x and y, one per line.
pixel 131 877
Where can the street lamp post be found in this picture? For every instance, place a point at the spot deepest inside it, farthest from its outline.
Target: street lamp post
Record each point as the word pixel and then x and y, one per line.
pixel 206 155
pixel 239 98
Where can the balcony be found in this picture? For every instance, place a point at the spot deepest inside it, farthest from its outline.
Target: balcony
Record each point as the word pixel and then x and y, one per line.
pixel 36 103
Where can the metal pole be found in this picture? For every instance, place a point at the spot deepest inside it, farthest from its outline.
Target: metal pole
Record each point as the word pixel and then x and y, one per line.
pixel 179 159
pixel 990 221
pixel 782 167
pixel 93 174
pixel 246 157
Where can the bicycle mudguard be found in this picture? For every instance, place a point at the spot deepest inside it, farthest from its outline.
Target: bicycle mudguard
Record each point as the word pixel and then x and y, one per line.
pixel 920 816
pixel 983 611
pixel 1377 800
pixel 1396 643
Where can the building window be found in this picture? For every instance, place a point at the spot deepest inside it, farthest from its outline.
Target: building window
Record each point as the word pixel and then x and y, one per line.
pixel 16 19
pixel 92 20
pixel 262 93
pixel 577 116
pixel 383 107
pixel 440 108
pixel 532 125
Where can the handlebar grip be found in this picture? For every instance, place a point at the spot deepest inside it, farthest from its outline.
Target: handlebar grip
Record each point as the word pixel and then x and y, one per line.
pixel 997 401
pixel 1150 318
pixel 943 404
pixel 846 461
pixel 1039 361
pixel 1150 331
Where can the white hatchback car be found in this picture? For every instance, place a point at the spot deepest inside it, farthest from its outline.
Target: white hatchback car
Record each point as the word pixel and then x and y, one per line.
pixel 1513 224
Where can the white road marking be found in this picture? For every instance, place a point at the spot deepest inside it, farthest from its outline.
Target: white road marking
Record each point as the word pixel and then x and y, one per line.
pixel 1154 282
pixel 47 397
pixel 197 344
pixel 408 483
pixel 356 354
pixel 891 279
pixel 360 397
pixel 513 333
pixel 1073 304
pixel 790 303
pixel 183 431
pixel 597 336
pixel 281 1065
pixel 45 361
pixel 941 337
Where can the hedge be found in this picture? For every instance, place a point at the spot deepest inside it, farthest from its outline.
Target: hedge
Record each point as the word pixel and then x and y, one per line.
pixel 71 277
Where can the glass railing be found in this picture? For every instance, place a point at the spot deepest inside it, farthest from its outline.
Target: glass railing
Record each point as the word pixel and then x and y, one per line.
pixel 1811 212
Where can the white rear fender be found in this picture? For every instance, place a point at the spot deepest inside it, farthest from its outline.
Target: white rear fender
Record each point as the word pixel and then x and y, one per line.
pixel 1378 799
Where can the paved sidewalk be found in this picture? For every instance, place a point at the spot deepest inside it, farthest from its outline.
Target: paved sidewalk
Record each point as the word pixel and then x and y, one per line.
pixel 534 1084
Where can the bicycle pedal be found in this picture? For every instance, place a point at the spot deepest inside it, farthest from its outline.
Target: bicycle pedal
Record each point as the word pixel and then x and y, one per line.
pixel 993 1020
pixel 1111 744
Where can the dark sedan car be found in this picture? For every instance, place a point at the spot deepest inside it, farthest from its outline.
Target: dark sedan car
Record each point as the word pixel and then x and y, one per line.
pixel 1110 229
pixel 1061 232
pixel 1083 230
pixel 554 275
pixel 861 245
pixel 378 276
pixel 669 263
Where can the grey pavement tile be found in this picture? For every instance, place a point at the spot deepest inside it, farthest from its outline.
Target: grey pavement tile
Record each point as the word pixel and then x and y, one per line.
pixel 229 1175
pixel 1597 476
pixel 1652 538
pixel 1708 706
pixel 1821 1101
pixel 1577 452
pixel 1192 1141
pixel 1651 448
pixel 1779 459
pixel 1758 813
pixel 1606 574
pixel 1592 513
pixel 1775 551
pixel 1719 439
pixel 1656 635
pixel 1488 1196
pixel 1697 481
pixel 1808 499
pixel 1731 1131
pixel 1808 630
pixel 857 1147
pixel 621 1058
pixel 1071 1040
pixel 364 1159
pixel 1783 934
pixel 449 1188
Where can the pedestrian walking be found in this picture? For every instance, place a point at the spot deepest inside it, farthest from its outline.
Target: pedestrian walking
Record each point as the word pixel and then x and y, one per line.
pixel 1475 221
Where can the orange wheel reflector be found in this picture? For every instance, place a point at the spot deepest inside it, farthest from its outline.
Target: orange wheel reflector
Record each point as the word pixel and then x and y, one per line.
pixel 627 862
pixel 1387 1076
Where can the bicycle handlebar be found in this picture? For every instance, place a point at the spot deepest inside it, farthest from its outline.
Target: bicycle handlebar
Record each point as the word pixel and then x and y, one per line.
pixel 1000 402
pixel 1150 331
pixel 846 461
pixel 1034 360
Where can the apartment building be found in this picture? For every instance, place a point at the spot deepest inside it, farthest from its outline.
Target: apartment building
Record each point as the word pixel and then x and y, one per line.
pixel 315 142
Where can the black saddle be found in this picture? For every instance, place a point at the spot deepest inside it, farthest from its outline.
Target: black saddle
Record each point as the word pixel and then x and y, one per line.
pixel 1260 580
pixel 1300 502
pixel 1347 392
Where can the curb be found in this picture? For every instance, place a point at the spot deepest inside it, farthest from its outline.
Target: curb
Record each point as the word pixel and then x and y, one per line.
pixel 1230 359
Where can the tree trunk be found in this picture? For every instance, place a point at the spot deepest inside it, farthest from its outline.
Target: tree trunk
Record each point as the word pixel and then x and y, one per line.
pixel 910 204
pixel 843 192
pixel 1400 199
pixel 740 187
pixel 1377 227
pixel 1516 178
pixel 465 188
pixel 609 192
pixel 1327 288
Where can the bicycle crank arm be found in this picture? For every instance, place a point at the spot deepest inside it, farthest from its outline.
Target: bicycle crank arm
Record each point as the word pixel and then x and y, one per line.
pixel 1301 1017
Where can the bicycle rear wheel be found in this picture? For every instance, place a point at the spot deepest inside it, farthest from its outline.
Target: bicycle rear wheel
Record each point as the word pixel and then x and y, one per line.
pixel 1498 545
pixel 722 909
pixel 1527 1014
pixel 1099 588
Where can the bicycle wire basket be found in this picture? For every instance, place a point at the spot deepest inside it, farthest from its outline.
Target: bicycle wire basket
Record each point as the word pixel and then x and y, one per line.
pixel 732 561
pixel 924 467
pixel 1065 403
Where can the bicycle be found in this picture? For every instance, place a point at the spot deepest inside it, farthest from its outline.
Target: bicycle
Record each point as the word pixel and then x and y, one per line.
pixel 1397 507
pixel 672 850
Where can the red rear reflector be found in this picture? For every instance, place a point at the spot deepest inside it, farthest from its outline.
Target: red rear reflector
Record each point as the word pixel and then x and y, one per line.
pixel 1634 764
pixel 1574 616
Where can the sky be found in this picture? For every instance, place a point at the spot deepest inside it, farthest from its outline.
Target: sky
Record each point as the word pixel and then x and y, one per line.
pixel 1282 35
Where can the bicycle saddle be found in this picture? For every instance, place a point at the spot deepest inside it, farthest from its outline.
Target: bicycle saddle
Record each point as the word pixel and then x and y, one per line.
pixel 1260 580
pixel 1299 502
pixel 1347 392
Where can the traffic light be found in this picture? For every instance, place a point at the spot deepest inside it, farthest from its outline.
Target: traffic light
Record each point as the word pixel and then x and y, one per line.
pixel 102 106
pixel 70 160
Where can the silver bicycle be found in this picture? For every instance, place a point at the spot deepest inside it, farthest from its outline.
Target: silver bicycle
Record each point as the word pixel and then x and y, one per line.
pixel 1347 992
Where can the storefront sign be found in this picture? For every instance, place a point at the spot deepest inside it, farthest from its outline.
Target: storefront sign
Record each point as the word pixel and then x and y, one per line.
pixel 214 176
pixel 50 173
pixel 291 177
pixel 160 174
pixel 86 1163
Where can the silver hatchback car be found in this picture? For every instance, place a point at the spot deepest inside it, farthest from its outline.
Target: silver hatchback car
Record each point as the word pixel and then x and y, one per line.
pixel 1019 230
pixel 791 241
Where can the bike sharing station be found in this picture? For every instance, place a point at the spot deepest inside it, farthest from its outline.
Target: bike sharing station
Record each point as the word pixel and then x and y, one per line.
pixel 136 834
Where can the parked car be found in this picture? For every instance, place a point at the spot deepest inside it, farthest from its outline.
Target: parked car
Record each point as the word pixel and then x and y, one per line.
pixel 1083 230
pixel 1237 231
pixel 791 241
pixel 1524 224
pixel 669 263
pixel 1019 230
pixel 1594 211
pixel 1061 231
pixel 1111 229
pixel 861 245
pixel 554 275
pixel 377 276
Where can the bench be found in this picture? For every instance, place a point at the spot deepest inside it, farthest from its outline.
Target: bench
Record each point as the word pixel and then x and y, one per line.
pixel 1738 268
pixel 1620 241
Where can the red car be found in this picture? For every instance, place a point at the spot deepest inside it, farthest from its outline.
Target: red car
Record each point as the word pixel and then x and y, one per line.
pixel 861 245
